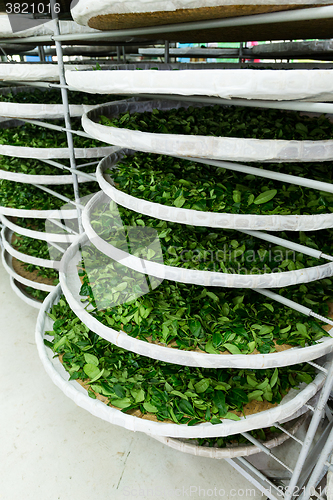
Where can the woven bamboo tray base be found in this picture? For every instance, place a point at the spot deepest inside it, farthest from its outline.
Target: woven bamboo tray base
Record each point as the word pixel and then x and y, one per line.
pixel 141 19
pixel 32 276
pixel 273 31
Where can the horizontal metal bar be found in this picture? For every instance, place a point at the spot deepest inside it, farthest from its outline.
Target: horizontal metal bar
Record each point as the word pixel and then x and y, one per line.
pixel 318 367
pixel 42 85
pixel 63 226
pixel 60 196
pixel 56 127
pixel 255 477
pixel 91 176
pixel 309 14
pixel 294 305
pixel 322 318
pixel 255 52
pixel 267 174
pixel 283 300
pixel 265 450
pixel 88 164
pixel 313 107
pixel 196 52
pixel 287 244
pixel 278 426
pixel 57 247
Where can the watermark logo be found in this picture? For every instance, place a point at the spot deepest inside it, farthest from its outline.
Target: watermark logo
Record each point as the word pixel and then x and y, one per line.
pixel 31 14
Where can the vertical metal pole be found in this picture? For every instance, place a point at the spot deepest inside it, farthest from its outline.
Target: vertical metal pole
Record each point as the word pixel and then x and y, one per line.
pixel 166 52
pixel 124 54
pixel 118 54
pixel 240 55
pixel 64 95
pixel 317 471
pixel 41 53
pixel 310 434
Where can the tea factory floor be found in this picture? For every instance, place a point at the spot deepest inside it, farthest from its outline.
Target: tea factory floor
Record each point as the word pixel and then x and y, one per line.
pixel 51 449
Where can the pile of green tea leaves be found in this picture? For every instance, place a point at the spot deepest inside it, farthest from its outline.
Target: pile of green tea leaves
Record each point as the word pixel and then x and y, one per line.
pixel 53 96
pixel 182 394
pixel 228 121
pixel 36 294
pixel 33 166
pixel 28 197
pixel 43 272
pixel 39 249
pixel 262 435
pixel 316 295
pixel 185 184
pixel 35 136
pixel 189 317
pixel 31 246
pixel 201 248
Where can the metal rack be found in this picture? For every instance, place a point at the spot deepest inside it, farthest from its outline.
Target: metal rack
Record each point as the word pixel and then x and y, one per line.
pixel 300 479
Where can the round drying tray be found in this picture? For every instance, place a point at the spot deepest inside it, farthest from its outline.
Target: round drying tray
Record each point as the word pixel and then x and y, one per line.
pixel 194 276
pixel 71 286
pixel 128 14
pixel 49 153
pixel 32 72
pixel 200 218
pixel 33 110
pixel 7 236
pixel 63 237
pixel 232 451
pixel 224 83
pixel 55 180
pixel 225 148
pixel 41 111
pixel 38 214
pixel 8 265
pixel 294 401
pixel 23 295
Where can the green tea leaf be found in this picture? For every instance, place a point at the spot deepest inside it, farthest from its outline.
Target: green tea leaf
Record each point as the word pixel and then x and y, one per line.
pixel 179 202
pixel 91 359
pixel 232 348
pixel 121 403
pixel 231 416
pixel 150 408
pixel 202 386
pixel 91 370
pixel 219 401
pixel 265 197
pixel 186 408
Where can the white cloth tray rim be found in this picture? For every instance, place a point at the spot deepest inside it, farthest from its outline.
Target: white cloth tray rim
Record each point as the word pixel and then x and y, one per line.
pixel 7 264
pixel 225 83
pixel 226 148
pixel 207 219
pixel 30 301
pixel 198 277
pixel 75 392
pixel 28 259
pixel 254 361
pixel 37 235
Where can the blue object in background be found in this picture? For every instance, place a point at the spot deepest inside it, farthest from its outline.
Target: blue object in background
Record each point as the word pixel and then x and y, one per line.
pixel 36 58
pixel 32 58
